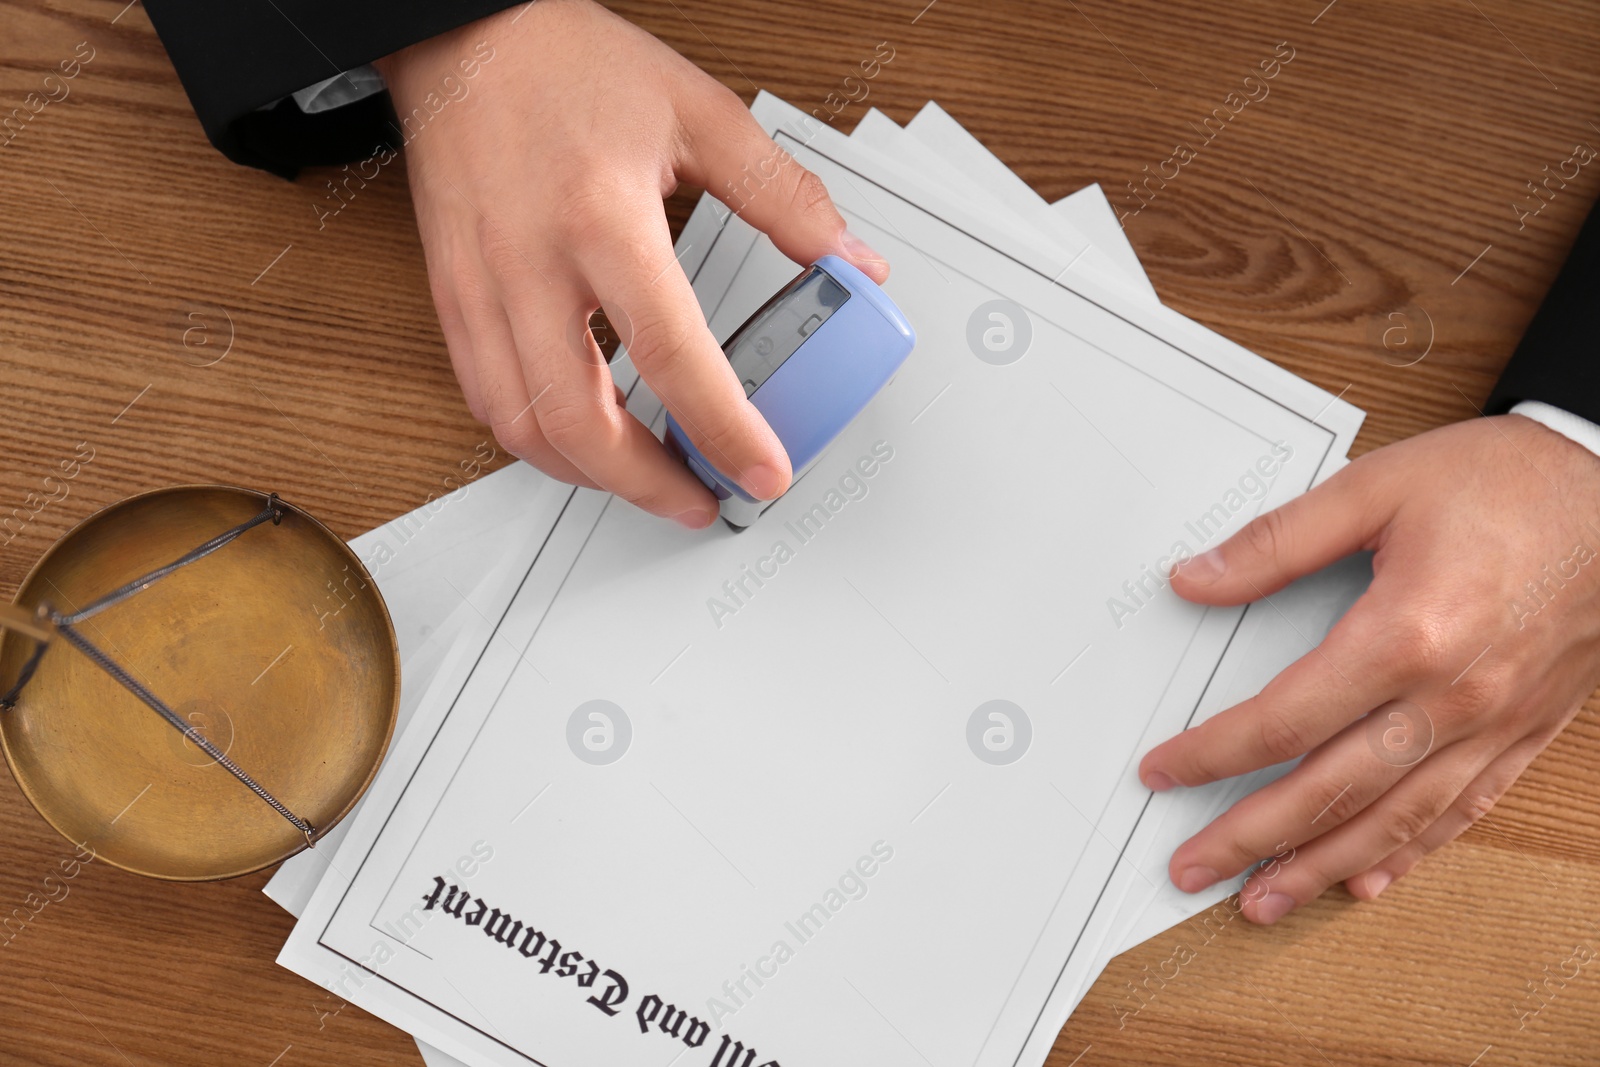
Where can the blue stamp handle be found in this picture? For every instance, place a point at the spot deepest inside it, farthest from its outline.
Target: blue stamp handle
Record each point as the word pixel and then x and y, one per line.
pixel 821 387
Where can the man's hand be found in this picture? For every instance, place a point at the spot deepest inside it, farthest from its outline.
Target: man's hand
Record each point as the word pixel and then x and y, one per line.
pixel 538 197
pixel 1476 644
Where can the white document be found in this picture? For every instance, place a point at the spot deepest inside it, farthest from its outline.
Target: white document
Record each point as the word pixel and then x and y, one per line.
pixel 470 540
pixel 1089 215
pixel 861 760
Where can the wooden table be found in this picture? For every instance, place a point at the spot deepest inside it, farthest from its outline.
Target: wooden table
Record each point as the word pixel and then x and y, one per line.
pixel 1376 181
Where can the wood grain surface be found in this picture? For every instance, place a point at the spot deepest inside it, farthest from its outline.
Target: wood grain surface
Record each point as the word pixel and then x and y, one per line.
pixel 1377 179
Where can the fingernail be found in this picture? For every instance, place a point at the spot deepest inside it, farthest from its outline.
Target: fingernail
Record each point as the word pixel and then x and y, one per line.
pixel 762 482
pixel 1273 908
pixel 859 252
pixel 1377 882
pixel 694 518
pixel 1194 879
pixel 1205 568
pixel 1158 782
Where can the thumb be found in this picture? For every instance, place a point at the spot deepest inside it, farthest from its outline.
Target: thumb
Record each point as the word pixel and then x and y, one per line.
pixel 729 155
pixel 1338 517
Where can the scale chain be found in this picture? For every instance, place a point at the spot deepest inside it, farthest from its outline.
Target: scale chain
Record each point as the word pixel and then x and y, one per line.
pixel 201 741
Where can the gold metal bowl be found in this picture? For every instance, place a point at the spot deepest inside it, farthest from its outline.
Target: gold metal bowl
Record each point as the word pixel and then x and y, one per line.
pixel 277 646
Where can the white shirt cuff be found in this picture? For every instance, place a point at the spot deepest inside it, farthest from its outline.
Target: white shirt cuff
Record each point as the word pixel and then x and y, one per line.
pixel 339 90
pixel 1565 423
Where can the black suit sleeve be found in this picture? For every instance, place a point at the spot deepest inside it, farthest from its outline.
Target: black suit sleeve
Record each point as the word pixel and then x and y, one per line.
pixel 235 56
pixel 1556 362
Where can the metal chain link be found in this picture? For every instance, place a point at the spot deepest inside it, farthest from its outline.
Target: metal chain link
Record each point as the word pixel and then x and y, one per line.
pixel 273 511
pixel 189 731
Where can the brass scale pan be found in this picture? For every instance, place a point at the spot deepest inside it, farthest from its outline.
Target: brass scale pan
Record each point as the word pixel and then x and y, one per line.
pixel 257 630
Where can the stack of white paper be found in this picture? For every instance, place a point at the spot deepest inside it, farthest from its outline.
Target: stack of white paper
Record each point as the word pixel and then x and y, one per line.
pixel 857 785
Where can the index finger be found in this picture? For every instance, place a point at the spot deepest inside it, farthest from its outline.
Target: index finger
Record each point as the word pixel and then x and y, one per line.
pixel 1307 703
pixel 635 274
